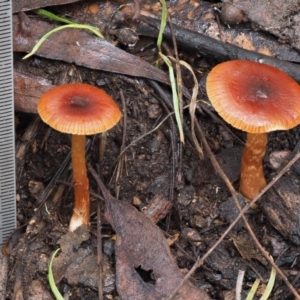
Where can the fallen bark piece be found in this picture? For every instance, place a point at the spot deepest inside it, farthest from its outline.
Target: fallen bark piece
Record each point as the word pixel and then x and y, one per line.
pixel 201 17
pixel 22 146
pixel 280 17
pixel 28 89
pixel 281 206
pixel 23 5
pixel 141 248
pixel 83 49
pixel 158 207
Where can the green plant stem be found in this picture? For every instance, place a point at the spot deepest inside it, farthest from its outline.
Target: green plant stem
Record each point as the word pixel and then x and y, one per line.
pixel 270 285
pixel 171 71
pixel 51 16
pixel 78 26
pixel 71 24
pixel 52 284
pixel 253 290
pixel 174 96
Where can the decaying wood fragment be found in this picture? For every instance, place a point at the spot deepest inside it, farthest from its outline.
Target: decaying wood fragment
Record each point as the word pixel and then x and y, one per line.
pixel 158 208
pixel 281 206
pixel 280 17
pixel 23 144
pixel 28 90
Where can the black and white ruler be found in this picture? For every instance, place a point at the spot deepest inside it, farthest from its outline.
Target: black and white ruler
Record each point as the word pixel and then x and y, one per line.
pixel 7 139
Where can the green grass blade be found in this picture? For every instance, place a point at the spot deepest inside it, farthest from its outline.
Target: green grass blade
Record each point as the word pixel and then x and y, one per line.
pixel 51 16
pixel 52 284
pixel 252 292
pixel 270 285
pixel 174 95
pixel 162 24
pixel 171 70
pixel 78 26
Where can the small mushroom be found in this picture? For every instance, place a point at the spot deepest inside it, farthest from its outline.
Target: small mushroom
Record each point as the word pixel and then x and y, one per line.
pixel 255 98
pixel 79 109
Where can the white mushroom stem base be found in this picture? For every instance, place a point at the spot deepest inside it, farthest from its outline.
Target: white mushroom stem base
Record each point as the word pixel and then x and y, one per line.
pixel 81 212
pixel 252 179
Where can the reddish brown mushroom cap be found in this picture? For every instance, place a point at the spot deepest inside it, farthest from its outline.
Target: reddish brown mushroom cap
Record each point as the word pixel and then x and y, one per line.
pixel 254 97
pixel 78 109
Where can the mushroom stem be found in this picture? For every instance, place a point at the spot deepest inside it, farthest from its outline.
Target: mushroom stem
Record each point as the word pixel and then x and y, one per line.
pixel 81 212
pixel 252 179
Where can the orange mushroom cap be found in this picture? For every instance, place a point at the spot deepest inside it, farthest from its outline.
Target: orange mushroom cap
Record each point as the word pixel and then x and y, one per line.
pixel 254 97
pixel 78 109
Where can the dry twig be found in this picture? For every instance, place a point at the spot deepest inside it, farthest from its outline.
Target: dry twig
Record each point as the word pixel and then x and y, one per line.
pixel 217 167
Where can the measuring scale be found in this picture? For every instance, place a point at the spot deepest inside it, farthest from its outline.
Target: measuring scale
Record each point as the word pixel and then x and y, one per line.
pixel 7 135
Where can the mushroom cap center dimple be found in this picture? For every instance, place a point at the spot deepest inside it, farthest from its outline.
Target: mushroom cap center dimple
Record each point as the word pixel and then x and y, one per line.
pixel 79 102
pixel 252 93
pixel 260 91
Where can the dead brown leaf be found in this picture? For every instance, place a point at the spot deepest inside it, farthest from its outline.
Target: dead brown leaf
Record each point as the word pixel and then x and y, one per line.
pixel 83 49
pixel 140 245
pixel 247 249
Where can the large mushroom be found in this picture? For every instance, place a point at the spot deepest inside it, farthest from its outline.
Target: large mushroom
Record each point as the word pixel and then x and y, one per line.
pixel 79 109
pixel 255 98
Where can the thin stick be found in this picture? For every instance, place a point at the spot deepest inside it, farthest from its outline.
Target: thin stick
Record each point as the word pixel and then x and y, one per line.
pixel 121 157
pixel 99 251
pixel 200 261
pixel 178 69
pixel 99 246
pixel 239 284
pixel 102 146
